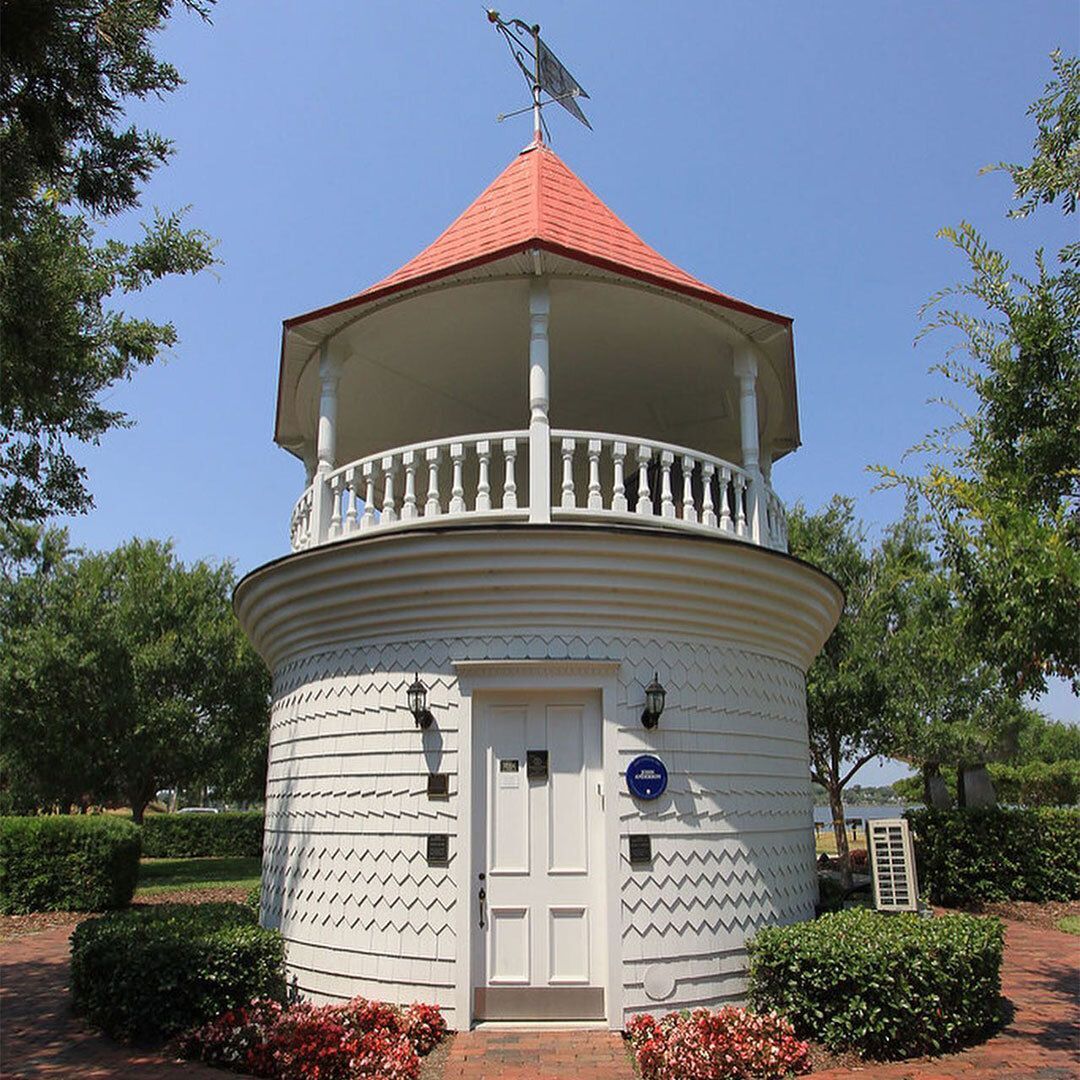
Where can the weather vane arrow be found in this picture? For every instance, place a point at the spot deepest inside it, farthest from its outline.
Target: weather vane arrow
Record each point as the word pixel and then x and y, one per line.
pixel 543 71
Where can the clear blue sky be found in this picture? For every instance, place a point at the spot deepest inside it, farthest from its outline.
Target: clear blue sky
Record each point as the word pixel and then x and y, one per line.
pixel 797 156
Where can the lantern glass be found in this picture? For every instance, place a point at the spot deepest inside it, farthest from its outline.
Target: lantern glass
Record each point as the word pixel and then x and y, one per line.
pixel 654 698
pixel 417 696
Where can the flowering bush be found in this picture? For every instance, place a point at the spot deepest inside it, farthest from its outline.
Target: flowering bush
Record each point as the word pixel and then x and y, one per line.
pixel 729 1044
pixel 360 1040
pixel 425 1026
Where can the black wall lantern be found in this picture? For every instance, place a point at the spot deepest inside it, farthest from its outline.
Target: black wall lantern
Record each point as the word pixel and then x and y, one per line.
pixel 417 695
pixel 654 703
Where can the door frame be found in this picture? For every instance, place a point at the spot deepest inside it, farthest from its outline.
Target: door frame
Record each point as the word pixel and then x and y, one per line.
pixel 478 677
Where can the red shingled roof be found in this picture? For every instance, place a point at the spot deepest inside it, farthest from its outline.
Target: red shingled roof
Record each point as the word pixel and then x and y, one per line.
pixel 537 202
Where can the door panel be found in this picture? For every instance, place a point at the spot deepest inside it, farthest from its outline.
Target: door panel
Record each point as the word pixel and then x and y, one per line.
pixel 508 794
pixel 539 850
pixel 568 945
pixel 568 847
pixel 510 945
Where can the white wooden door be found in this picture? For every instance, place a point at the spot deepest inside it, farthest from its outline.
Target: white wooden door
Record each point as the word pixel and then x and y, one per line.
pixel 538 896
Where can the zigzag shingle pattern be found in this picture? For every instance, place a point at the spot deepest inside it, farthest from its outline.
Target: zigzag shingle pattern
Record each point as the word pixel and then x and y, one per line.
pixel 346 877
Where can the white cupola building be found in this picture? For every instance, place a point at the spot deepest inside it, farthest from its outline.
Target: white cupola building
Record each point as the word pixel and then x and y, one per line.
pixel 538 744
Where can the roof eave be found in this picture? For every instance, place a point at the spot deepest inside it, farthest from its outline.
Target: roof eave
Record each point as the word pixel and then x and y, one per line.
pixel 699 292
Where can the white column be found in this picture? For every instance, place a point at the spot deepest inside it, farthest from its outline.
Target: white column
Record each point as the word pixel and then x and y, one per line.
pixel 539 425
pixel 322 501
pixel 746 369
pixel 310 461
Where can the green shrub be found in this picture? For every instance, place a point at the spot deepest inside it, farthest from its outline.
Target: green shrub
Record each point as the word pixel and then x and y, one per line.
pixel 1038 783
pixel 997 853
pixel 887 986
pixel 67 863
pixel 145 975
pixel 194 836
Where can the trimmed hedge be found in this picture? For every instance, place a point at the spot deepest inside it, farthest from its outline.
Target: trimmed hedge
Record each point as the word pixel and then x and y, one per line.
pixel 67 863
pixel 195 836
pixel 887 986
pixel 145 975
pixel 997 853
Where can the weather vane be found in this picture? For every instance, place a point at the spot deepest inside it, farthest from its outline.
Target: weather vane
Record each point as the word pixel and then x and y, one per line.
pixel 543 72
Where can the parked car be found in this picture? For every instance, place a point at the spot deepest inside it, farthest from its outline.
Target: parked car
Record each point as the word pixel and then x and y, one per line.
pixel 198 810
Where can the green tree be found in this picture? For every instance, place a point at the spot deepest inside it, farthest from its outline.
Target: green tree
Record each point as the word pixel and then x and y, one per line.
pixel 132 674
pixel 1002 480
pixel 69 160
pixel 947 706
pixel 1045 770
pixel 848 684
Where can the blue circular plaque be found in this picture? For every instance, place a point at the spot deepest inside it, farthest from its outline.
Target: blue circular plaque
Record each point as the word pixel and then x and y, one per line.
pixel 646 777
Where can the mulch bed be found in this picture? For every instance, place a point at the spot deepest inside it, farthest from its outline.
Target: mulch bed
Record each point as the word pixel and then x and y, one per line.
pixel 821 1059
pixel 433 1065
pixel 1044 915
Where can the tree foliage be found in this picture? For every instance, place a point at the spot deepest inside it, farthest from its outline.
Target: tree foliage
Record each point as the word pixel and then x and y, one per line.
pixel 69 159
pixel 849 684
pixel 128 673
pixel 1003 480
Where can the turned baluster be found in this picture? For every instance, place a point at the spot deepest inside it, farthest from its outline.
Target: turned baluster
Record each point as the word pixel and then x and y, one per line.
pixel 367 519
pixel 667 501
pixel 389 507
pixel 568 473
pixel 644 498
pixel 409 510
pixel 725 504
pixel 350 513
pixel 689 511
pixel 509 499
pixel 708 511
pixel 483 479
pixel 618 487
pixel 433 507
pixel 457 488
pixel 740 505
pixel 335 503
pixel 596 498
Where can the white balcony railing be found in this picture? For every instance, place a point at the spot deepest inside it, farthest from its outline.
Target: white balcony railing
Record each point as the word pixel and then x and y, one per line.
pixel 594 477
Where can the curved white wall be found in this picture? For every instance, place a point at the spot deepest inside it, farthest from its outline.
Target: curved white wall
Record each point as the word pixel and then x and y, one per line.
pixel 729 627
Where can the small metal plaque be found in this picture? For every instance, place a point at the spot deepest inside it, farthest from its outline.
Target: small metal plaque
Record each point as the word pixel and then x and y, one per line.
pixel 641 850
pixel 438 785
pixel 509 773
pixel 646 777
pixel 438 848
pixel 536 764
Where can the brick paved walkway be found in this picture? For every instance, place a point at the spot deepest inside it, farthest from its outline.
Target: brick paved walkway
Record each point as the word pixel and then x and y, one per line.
pixel 537 1055
pixel 1040 978
pixel 40 1038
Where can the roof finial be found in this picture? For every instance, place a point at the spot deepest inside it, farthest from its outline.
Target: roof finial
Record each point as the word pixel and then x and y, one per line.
pixel 545 75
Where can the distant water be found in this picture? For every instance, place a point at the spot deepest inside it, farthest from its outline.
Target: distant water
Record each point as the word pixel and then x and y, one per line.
pixel 824 814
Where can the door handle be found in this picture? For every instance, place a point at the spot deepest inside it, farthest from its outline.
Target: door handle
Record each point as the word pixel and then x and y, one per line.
pixel 481 896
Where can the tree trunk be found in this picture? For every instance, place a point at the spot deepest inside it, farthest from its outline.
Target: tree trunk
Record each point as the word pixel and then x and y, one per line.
pixel 978 787
pixel 961 795
pixel 836 805
pixel 935 793
pixel 138 809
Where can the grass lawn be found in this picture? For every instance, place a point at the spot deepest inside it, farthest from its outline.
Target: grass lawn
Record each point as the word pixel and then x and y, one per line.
pixel 1070 924
pixel 166 875
pixel 825 840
